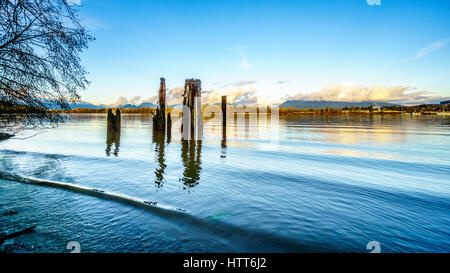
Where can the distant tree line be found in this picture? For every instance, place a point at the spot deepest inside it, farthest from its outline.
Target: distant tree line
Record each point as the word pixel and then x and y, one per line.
pixel 143 110
pixel 284 110
pixel 426 108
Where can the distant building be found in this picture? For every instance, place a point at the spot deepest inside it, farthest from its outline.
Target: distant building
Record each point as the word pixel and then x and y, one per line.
pixel 445 102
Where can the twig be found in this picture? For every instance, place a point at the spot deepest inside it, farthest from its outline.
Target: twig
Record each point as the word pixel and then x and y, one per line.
pixel 16 234
pixel 22 138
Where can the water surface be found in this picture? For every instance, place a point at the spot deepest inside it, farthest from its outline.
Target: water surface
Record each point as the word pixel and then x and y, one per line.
pixel 305 183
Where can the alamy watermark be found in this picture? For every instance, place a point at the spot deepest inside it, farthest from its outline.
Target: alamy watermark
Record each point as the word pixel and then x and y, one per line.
pixel 374 246
pixel 74 247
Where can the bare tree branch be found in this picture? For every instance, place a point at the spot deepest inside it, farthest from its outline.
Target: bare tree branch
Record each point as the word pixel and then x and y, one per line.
pixel 40 69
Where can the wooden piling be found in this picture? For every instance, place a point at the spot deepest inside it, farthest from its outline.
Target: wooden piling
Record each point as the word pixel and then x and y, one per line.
pixel 118 118
pixel 192 109
pixel 224 111
pixel 169 128
pixel 110 118
pixel 162 99
pixel 159 119
pixel 113 120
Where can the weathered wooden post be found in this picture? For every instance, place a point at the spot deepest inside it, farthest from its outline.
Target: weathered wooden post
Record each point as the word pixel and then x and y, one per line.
pixel 113 132
pixel 169 128
pixel 162 99
pixel 113 120
pixel 224 111
pixel 224 126
pixel 192 109
pixel 110 118
pixel 159 119
pixel 118 118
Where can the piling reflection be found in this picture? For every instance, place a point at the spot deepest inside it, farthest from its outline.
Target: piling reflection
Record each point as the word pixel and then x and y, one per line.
pixel 223 143
pixel 247 125
pixel 191 156
pixel 169 128
pixel 160 145
pixel 112 136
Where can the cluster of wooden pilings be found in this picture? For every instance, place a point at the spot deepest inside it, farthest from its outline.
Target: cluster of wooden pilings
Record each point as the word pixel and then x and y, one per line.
pixel 114 121
pixel 191 126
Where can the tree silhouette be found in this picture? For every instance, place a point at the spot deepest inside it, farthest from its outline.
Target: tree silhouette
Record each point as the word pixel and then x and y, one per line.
pixel 40 43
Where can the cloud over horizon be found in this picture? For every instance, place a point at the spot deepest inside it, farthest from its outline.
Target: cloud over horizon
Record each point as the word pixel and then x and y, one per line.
pixel 237 83
pixel 121 101
pixel 236 95
pixel 357 93
pixel 243 93
pixel 136 100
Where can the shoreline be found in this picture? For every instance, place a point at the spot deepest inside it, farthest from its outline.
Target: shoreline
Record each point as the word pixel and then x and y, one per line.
pixel 296 113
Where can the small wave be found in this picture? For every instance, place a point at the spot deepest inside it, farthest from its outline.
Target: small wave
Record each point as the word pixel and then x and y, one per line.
pixel 90 191
pixel 235 236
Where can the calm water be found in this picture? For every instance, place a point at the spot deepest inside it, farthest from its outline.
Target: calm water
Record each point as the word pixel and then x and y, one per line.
pixel 309 183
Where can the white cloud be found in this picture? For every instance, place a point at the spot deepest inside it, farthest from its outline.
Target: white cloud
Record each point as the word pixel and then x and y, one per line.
pixel 245 63
pixel 173 96
pixel 152 99
pixel 426 50
pixel 357 93
pixel 431 47
pixel 121 101
pixel 237 83
pixel 245 93
pixel 283 82
pixel 235 95
pixel 242 52
pixel 136 100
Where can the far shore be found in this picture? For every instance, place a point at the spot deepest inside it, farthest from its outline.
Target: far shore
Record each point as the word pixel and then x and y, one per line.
pixel 251 110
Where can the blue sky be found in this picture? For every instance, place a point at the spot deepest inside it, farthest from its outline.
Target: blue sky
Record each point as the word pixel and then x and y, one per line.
pixel 269 49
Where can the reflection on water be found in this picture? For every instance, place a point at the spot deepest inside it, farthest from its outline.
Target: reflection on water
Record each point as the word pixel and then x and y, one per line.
pixel 223 143
pixel 359 129
pixel 191 150
pixel 112 136
pixel 191 156
pixel 159 138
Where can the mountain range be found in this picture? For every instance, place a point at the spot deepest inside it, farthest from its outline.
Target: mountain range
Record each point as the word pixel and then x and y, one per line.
pixel 93 106
pixel 290 103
